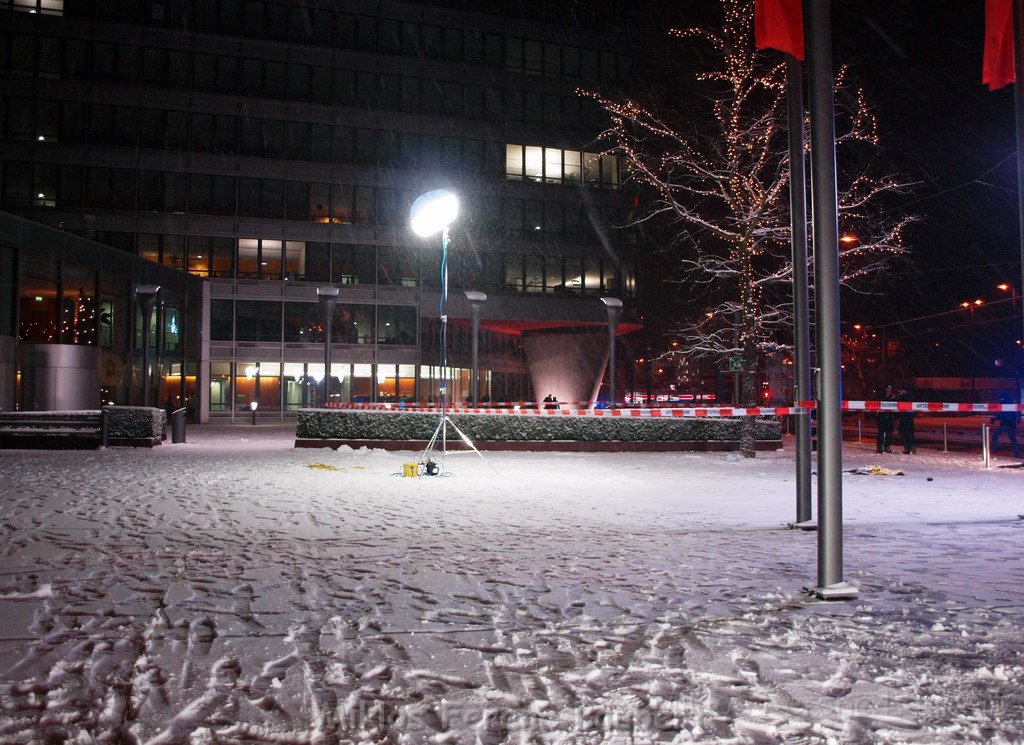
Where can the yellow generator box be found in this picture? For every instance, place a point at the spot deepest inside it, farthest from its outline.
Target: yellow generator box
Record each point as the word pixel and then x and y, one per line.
pixel 410 469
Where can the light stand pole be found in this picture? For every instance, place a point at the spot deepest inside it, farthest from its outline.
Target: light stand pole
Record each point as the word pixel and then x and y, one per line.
pixel 614 307
pixel 432 213
pixel 328 300
pixel 146 296
pixel 476 299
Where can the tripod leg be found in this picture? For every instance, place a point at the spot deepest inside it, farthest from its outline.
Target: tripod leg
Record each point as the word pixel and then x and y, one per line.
pixel 471 445
pixel 432 444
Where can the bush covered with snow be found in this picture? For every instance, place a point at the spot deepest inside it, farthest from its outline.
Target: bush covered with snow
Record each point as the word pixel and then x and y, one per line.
pixel 136 421
pixel 387 425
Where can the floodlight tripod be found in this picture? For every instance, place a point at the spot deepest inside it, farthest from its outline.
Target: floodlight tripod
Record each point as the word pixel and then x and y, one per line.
pixel 427 458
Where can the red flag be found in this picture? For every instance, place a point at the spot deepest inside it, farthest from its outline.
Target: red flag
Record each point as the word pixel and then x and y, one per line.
pixel 997 68
pixel 779 24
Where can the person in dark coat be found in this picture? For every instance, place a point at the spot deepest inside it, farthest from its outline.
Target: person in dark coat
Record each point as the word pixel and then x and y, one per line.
pixel 1007 421
pixel 905 426
pixel 886 424
pixel 550 402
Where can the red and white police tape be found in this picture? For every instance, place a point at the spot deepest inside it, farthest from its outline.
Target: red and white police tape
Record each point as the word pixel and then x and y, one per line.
pixel 803 407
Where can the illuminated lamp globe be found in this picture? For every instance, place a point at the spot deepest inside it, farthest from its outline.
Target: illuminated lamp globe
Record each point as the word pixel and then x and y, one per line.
pixel 433 212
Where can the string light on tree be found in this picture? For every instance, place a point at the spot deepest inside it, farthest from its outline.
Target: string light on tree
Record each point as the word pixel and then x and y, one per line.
pixel 715 185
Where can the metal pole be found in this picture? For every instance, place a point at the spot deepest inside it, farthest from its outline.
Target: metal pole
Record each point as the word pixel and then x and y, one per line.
pixel 328 300
pixel 801 314
pixel 611 358
pixel 858 430
pixel 147 312
pixel 328 322
pixel 443 387
pixel 474 380
pixel 986 447
pixel 476 299
pixel 826 287
pixel 1018 100
pixel 945 445
pixel 614 307
pixel 146 296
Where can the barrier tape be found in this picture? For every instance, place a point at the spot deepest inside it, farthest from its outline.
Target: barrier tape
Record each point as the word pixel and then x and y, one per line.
pixel 493 405
pixel 700 412
pixel 931 406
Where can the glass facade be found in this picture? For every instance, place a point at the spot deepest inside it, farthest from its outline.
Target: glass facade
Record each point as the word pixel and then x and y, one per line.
pixel 289 386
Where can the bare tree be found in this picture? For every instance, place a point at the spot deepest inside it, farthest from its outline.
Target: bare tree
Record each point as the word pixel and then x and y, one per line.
pixel 714 188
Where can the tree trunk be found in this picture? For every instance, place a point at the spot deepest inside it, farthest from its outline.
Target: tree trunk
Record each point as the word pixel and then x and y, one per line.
pixel 748 396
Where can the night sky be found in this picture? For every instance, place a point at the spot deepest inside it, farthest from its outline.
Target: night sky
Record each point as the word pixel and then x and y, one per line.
pixel 920 63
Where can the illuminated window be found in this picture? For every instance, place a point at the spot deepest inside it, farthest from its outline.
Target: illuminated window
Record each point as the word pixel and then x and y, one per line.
pixel 514 161
pixel 45 7
pixel 554 165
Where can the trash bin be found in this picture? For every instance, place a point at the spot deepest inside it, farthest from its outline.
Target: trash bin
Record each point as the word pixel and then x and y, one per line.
pixel 178 425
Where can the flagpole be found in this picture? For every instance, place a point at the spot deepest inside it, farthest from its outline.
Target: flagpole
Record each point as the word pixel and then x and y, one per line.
pixel 801 314
pixel 824 205
pixel 1018 101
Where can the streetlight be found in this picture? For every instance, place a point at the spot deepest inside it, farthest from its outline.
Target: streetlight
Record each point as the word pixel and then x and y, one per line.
pixel 328 297
pixel 849 239
pixel 146 296
pixel 254 405
pixel 614 307
pixel 1007 287
pixel 476 299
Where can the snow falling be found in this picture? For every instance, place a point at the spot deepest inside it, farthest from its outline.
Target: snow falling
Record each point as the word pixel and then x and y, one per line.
pixel 235 589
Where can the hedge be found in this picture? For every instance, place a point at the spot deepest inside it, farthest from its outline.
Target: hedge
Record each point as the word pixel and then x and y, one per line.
pixel 387 425
pixel 136 421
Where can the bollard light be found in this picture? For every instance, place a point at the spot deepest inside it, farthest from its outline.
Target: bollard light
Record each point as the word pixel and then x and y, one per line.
pixel 254 405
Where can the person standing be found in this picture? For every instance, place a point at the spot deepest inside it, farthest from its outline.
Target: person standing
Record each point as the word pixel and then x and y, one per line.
pixel 905 426
pixel 1007 421
pixel 886 422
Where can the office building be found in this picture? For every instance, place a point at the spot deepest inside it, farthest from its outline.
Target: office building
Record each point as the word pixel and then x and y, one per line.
pixel 270 148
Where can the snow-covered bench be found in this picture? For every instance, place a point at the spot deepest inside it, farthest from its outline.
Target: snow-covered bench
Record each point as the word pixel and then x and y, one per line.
pixel 53 429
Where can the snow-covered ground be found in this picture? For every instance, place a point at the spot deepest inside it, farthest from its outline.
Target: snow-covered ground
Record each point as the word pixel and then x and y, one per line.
pixel 225 591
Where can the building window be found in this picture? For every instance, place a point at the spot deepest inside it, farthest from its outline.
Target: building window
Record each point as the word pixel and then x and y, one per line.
pixel 554 165
pixel 257 321
pixel 222 320
pixel 45 7
pixel 302 323
pixel 396 324
pixel 262 258
pixel 353 324
pixel 220 386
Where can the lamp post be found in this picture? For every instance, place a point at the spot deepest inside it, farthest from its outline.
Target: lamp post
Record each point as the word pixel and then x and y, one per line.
pixel 328 297
pixel 146 296
pixel 614 307
pixel 476 299
pixel 254 405
pixel 431 213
